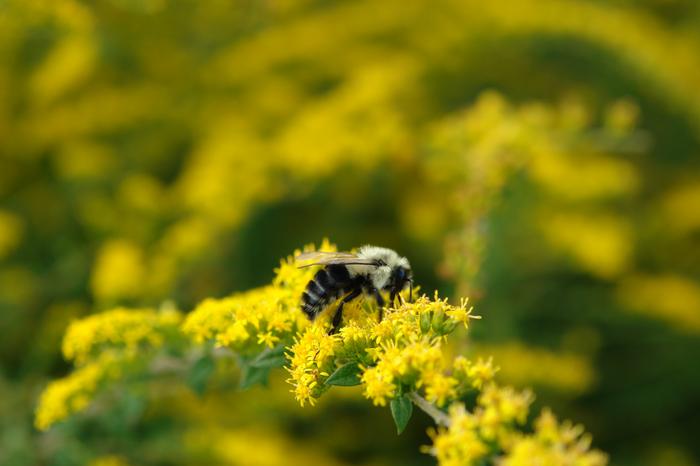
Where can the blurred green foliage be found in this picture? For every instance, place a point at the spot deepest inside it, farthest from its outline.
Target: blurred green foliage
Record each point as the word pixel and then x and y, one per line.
pixel 162 151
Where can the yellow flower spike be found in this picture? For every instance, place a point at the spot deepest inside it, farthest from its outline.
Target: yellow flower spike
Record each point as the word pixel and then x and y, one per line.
pixel 120 328
pixel 553 444
pixel 72 394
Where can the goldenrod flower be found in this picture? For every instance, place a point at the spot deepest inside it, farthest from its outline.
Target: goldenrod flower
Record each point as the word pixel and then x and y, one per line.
pixel 71 394
pixel 379 385
pixel 460 444
pixel 461 314
pixel 553 444
pixel 128 329
pixel 310 363
pixel 507 404
pixel 268 339
pixel 475 374
pixel 439 388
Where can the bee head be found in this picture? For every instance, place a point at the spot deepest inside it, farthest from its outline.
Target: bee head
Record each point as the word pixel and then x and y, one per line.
pixel 400 278
pixel 391 272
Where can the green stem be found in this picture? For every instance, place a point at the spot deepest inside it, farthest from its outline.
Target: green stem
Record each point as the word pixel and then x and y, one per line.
pixel 438 416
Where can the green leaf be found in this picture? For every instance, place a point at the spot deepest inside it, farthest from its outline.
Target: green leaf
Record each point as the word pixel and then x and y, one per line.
pixel 200 373
pixel 401 410
pixel 251 375
pixel 269 358
pixel 345 376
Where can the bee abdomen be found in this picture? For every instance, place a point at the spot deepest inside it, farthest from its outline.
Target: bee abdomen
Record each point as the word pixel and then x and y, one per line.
pixel 326 286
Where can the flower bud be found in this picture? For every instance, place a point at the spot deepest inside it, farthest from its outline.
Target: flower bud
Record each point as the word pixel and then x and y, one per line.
pixel 438 318
pixel 448 326
pixel 425 319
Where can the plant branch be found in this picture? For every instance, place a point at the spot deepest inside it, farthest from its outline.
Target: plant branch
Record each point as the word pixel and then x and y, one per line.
pixel 438 416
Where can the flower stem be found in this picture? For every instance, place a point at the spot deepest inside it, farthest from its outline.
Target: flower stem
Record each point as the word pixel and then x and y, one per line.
pixel 438 416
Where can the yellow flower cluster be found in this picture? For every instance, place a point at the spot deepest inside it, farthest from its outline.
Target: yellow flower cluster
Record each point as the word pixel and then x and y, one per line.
pixel 127 329
pixel 101 346
pixel 311 361
pixel 71 394
pixel 263 316
pixel 553 444
pixel 460 444
pixel 243 321
pixel 492 431
pixel 399 354
pixel 477 373
pixel 499 407
pixel 104 344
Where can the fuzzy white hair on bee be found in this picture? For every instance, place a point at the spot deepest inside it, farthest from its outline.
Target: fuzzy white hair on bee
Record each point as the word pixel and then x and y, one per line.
pixel 368 271
pixel 386 255
pixel 380 275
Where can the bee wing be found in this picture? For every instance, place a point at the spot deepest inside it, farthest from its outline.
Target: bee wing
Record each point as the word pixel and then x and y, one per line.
pixel 331 258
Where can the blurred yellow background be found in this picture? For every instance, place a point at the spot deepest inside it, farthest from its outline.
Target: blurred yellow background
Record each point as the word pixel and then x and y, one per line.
pixel 540 157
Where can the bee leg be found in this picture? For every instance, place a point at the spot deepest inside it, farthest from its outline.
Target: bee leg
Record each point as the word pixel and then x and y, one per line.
pixel 380 302
pixel 338 316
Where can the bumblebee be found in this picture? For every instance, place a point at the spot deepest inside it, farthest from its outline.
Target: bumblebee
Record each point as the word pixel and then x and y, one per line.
pixel 348 275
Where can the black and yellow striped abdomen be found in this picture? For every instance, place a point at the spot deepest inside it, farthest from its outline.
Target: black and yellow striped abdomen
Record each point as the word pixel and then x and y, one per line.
pixel 328 284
